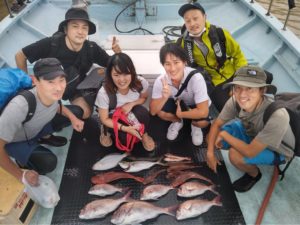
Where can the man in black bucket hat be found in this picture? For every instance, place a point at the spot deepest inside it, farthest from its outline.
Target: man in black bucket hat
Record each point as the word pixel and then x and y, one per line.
pixel 77 54
pixel 77 14
pixel 240 129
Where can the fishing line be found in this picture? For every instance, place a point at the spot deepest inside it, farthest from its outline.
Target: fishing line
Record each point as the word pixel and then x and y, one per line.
pixel 173 31
pixel 135 29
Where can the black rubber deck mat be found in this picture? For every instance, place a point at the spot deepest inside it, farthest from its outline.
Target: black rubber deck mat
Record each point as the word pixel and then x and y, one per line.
pixel 76 182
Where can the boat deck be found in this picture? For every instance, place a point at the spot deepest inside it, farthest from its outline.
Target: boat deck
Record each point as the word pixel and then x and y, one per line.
pixel 261 38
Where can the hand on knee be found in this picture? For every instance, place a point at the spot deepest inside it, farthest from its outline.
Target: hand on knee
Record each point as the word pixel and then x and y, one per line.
pixel 235 157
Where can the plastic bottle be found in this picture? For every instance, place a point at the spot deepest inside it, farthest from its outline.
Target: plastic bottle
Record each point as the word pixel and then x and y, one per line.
pixel 133 120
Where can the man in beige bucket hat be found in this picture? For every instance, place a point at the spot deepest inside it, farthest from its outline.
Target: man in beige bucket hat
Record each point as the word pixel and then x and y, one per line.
pixel 239 128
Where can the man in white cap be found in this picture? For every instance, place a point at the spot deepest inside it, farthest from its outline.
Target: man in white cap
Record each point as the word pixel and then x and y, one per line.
pixel 20 140
pixel 240 128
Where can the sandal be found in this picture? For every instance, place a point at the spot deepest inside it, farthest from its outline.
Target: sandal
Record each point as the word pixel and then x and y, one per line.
pixel 105 140
pixel 148 142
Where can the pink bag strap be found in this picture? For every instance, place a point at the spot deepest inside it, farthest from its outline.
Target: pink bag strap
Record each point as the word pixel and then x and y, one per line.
pixel 130 139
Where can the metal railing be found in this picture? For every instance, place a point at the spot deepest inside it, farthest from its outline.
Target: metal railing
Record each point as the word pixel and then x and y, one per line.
pixel 291 4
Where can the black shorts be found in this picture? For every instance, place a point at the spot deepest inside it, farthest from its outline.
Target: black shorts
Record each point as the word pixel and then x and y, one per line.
pixel 171 106
pixel 89 95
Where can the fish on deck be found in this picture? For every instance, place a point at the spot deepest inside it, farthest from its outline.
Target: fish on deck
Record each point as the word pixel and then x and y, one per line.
pixel 108 177
pixel 194 188
pixel 109 161
pixel 100 208
pixel 137 166
pixel 155 191
pixel 105 190
pixel 138 212
pixel 196 207
pixel 176 158
pixel 184 176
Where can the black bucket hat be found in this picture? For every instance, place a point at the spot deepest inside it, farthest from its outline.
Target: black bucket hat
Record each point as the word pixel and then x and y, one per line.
pixel 188 6
pixel 77 14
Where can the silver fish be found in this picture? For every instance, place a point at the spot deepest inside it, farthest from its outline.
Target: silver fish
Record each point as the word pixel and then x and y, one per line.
pixel 137 166
pixel 194 188
pixel 109 161
pixel 137 212
pixel 153 192
pixel 104 190
pixel 196 207
pixel 100 208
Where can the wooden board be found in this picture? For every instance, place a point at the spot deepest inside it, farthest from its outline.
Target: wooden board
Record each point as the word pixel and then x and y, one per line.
pixel 10 190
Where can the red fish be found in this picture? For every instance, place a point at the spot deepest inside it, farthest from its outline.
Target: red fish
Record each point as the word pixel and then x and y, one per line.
pixel 176 158
pixel 108 177
pixel 177 168
pixel 184 176
pixel 152 176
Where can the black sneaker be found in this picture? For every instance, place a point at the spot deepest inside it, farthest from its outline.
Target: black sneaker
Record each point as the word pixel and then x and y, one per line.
pixel 246 182
pixel 56 141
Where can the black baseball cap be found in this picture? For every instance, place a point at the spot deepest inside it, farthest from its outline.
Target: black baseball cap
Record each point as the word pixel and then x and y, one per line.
pixel 48 69
pixel 188 6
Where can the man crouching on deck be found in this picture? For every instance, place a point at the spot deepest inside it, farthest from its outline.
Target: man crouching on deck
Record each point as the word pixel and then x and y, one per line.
pixel 240 128
pixel 20 141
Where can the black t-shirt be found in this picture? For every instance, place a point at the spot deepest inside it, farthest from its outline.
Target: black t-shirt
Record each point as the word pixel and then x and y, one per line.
pixel 85 57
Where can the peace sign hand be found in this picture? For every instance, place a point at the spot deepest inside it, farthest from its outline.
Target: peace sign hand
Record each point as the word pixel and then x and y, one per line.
pixel 166 90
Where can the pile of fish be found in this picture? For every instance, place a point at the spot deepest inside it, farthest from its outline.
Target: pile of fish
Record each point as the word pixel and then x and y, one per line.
pixel 127 210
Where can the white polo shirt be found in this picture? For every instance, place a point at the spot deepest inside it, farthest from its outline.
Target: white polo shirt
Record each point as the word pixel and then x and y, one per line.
pixel 195 92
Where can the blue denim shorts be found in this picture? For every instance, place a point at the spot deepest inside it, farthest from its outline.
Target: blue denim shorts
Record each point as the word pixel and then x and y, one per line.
pixel 22 150
pixel 265 157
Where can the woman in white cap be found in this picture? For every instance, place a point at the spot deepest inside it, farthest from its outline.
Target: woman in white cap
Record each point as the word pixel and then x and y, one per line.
pixel 240 128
